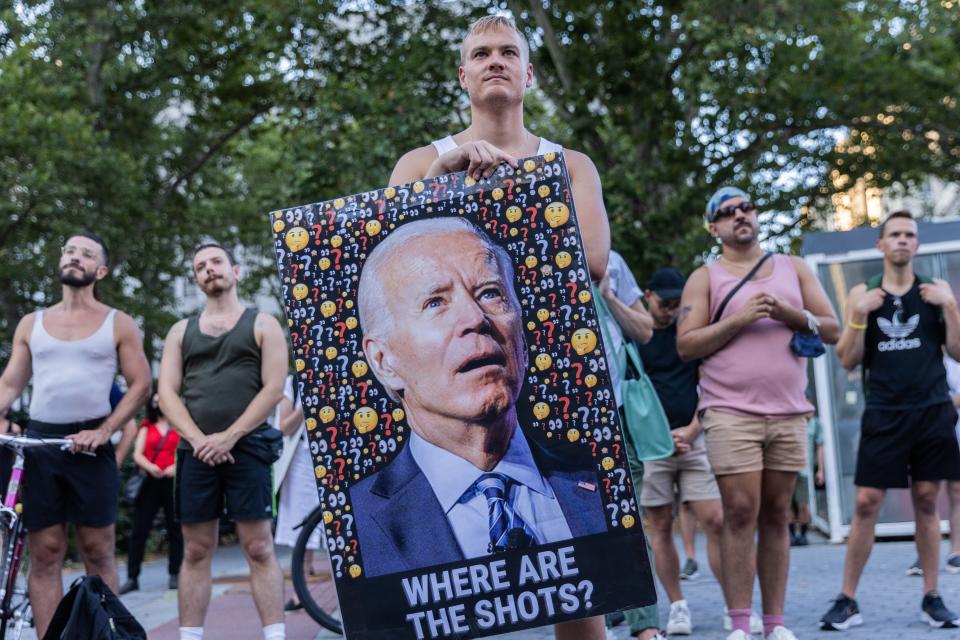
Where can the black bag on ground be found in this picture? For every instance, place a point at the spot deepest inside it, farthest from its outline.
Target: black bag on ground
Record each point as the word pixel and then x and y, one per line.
pixel 90 611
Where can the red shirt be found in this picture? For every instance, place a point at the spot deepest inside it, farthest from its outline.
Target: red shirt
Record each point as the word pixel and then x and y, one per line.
pixel 166 456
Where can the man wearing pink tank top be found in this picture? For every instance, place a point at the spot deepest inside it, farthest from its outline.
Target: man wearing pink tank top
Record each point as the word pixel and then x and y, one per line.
pixel 495 71
pixel 752 404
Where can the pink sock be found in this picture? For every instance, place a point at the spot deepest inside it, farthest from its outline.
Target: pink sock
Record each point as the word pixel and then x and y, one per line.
pixel 740 619
pixel 770 622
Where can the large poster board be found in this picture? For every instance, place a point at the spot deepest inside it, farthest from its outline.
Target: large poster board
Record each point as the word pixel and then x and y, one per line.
pixel 439 328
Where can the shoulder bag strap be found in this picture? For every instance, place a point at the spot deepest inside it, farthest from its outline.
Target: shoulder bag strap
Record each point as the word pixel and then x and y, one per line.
pixel 630 354
pixel 743 281
pixel 163 441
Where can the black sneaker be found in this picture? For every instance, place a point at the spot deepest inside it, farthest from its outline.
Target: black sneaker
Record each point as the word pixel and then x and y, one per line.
pixel 843 614
pixel 936 614
pixel 690 570
pixel 914 569
pixel 130 585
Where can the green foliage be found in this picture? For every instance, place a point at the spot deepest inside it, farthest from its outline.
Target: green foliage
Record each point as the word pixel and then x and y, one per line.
pixel 159 123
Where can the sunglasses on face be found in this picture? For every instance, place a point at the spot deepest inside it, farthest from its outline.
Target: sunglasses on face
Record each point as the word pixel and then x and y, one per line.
pixel 731 209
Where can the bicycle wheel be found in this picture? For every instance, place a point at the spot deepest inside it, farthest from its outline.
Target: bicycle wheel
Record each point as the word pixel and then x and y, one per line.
pixel 312 575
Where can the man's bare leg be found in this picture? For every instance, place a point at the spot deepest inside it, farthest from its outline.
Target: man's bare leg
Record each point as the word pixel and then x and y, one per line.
pixel 688 530
pixel 660 530
pixel 709 513
pixel 97 547
pixel 773 539
pixel 48 547
pixel 266 578
pixel 199 544
pixel 924 494
pixel 953 492
pixel 740 496
pixel 860 538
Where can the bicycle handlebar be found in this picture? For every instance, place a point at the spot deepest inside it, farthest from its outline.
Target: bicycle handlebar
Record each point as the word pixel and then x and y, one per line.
pixel 26 442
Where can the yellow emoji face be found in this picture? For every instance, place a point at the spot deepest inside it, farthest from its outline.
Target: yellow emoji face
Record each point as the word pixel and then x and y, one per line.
pixel 330 352
pixel 338 203
pixel 297 238
pixel 389 192
pixel 278 226
pixel 590 381
pixel 372 227
pixel 529 165
pixel 300 364
pixel 556 214
pixel 543 361
pixel 542 314
pixel 324 263
pixel 336 241
pixel 397 414
pixel 530 261
pixel 365 419
pixel 327 517
pixel 564 259
pixel 311 424
pixel 573 435
pixel 531 325
pixel 584 296
pixel 607 463
pixel 469 182
pixel 549 157
pixel 628 521
pixel 327 414
pixel 359 368
pixel 541 410
pixel 514 213
pixel 584 341
pixel 351 323
pixel 300 291
pixel 497 193
pixel 355 571
pixel 543 191
pixel 328 308
pixel 320 471
pixel 418 187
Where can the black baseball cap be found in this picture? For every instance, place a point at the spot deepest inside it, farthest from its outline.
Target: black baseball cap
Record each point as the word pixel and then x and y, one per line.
pixel 666 283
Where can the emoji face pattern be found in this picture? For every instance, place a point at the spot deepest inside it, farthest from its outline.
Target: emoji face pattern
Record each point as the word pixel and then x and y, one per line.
pixel 354 427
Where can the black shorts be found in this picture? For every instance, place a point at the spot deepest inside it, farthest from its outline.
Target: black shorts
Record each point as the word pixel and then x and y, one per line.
pixel 242 490
pixel 60 487
pixel 919 443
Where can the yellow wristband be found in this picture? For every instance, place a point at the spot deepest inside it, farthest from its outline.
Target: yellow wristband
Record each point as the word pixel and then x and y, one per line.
pixel 857 327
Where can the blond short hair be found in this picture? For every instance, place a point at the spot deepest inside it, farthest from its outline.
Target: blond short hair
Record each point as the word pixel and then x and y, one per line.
pixel 492 23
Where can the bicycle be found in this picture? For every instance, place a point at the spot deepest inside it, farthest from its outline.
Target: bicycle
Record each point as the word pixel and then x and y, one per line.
pixel 14 599
pixel 313 577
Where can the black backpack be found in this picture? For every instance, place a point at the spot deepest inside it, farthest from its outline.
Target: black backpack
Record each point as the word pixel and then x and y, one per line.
pixel 90 611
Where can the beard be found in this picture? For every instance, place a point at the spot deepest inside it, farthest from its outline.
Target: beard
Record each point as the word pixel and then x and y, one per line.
pixel 70 277
pixel 216 287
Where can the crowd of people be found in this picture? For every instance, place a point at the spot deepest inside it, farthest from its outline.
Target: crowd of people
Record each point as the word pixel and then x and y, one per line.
pixel 741 432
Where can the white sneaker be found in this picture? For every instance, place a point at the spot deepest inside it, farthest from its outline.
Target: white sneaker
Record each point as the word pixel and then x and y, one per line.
pixel 781 633
pixel 738 635
pixel 756 622
pixel 679 623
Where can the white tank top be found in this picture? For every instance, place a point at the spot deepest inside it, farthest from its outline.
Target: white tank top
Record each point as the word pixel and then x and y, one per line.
pixel 72 378
pixel 449 144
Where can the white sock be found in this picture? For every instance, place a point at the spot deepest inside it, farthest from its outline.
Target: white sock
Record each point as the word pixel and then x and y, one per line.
pixel 191 633
pixel 275 631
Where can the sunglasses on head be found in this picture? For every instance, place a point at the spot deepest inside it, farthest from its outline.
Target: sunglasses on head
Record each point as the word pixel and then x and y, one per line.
pixel 731 209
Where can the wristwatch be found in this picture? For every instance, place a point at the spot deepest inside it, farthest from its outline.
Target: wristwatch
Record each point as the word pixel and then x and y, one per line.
pixel 812 323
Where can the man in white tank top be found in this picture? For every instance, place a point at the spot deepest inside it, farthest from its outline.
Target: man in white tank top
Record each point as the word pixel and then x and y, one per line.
pixel 72 351
pixel 495 71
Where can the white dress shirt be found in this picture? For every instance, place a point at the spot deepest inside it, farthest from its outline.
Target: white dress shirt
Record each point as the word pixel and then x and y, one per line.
pixel 453 478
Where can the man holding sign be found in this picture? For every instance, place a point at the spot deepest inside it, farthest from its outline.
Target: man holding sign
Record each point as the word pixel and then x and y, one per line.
pixel 495 71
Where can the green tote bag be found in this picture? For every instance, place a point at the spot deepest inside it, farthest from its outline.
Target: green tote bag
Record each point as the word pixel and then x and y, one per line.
pixel 645 420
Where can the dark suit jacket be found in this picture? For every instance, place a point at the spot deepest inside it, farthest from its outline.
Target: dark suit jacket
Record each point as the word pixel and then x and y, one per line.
pixel 401 525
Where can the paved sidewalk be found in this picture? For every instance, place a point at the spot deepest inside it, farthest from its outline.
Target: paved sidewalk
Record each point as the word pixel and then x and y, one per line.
pixel 889 600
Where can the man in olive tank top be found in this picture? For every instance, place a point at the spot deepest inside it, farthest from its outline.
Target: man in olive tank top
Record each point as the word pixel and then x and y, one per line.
pixel 897 325
pixel 71 352
pixel 221 375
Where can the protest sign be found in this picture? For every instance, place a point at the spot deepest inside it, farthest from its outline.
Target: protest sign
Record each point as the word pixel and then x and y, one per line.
pixel 465 437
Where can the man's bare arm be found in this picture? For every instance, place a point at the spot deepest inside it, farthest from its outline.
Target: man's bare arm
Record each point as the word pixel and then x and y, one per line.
pixel 860 302
pixel 635 321
pixel 413 165
pixel 135 370
pixel 696 336
pixel 17 373
pixel 168 386
pixel 591 212
pixel 815 300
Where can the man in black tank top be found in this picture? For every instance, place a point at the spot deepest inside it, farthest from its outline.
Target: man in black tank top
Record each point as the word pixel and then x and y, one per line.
pixel 221 375
pixel 897 325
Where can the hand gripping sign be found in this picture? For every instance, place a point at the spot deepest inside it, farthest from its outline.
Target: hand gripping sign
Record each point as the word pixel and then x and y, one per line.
pixel 466 441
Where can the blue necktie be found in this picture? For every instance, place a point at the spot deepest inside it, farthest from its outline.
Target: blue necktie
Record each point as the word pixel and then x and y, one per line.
pixel 507 528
